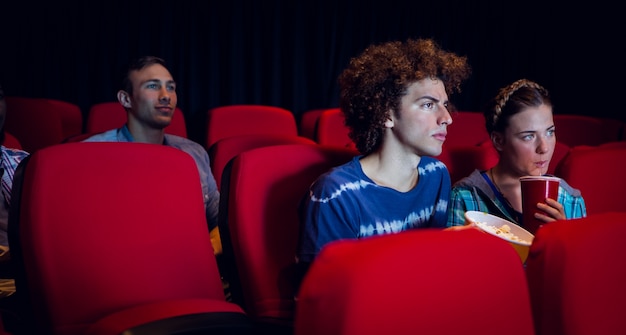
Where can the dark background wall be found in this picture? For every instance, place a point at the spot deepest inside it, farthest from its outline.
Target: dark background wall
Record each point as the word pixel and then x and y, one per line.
pixel 289 53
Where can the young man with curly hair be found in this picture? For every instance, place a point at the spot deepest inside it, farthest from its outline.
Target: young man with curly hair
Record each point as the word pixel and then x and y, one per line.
pixel 395 100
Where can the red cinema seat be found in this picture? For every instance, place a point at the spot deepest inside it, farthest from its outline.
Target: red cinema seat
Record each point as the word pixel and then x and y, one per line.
pixel 39 122
pixel 259 225
pixel 110 115
pixel 467 128
pixel 598 172
pixel 409 283
pixel 112 238
pixel 576 275
pixel 575 130
pixel 222 151
pixel 331 130
pixel 11 141
pixel 234 120
pixel 308 122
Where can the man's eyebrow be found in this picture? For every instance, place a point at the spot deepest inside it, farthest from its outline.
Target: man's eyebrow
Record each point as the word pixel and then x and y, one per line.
pixel 433 99
pixel 150 81
pixel 158 81
pixel 429 98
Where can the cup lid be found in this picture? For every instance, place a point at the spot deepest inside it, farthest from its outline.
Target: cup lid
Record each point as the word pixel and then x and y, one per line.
pixel 546 178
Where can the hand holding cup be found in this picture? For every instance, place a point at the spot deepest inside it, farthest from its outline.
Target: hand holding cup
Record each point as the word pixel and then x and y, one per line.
pixel 535 191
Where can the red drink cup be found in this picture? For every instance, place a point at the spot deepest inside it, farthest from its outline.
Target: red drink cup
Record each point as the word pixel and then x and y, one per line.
pixel 536 189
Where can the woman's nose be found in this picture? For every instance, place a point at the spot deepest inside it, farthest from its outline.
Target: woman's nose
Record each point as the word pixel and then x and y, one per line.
pixel 542 146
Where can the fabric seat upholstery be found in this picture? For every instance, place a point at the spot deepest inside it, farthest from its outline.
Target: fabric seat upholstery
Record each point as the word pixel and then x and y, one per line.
pixel 426 281
pixel 576 275
pixel 259 225
pixel 108 236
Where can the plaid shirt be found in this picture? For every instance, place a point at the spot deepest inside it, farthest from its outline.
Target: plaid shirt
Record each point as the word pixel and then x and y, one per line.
pixel 476 193
pixel 9 162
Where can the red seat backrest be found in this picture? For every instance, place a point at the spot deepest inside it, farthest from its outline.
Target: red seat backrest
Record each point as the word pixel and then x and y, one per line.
pixel 89 250
pixel 308 122
pixel 38 122
pixel 599 173
pixel 259 222
pixel 407 283
pixel 234 120
pixel 576 275
pixel 105 116
pixel 575 130
pixel 613 129
pixel 11 141
pixel 331 129
pixel 467 128
pixel 613 144
pixel 222 151
pixel 110 115
pixel 71 117
pixel 560 151
pixel 461 160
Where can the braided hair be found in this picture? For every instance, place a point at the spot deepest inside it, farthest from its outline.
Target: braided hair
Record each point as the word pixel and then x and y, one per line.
pixel 511 100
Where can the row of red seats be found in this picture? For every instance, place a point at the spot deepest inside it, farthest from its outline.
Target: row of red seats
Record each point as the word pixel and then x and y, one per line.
pixel 467 147
pixel 59 120
pixel 35 123
pixel 262 224
pixel 38 122
pixel 66 317
pixel 260 228
pixel 468 128
pixel 112 275
pixel 261 188
pixel 468 282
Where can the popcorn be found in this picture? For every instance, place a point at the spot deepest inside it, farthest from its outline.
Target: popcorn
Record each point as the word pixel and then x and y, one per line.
pixel 503 231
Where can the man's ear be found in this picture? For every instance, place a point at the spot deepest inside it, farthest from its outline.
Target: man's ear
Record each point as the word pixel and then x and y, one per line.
pixel 498 140
pixel 124 98
pixel 389 123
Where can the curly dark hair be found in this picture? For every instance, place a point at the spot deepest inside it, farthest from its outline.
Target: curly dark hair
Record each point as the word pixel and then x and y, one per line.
pixel 375 82
pixel 511 100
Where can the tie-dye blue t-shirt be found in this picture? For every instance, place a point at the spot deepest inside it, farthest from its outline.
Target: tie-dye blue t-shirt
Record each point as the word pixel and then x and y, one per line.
pixel 345 204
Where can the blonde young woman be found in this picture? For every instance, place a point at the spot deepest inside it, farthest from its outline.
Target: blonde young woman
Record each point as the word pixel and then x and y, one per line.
pixel 520 124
